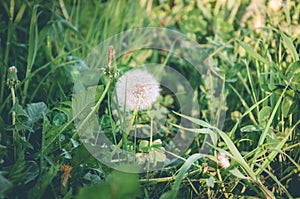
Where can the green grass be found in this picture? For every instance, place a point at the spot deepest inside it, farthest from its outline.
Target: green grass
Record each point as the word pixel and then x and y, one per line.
pixel 258 66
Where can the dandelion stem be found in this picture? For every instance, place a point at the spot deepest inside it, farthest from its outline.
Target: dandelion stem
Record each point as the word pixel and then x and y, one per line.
pixel 13 118
pixel 13 96
pixel 151 133
pixel 126 133
pixel 12 80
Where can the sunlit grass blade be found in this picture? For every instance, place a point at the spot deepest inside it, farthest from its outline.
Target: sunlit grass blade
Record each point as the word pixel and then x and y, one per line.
pixel 194 120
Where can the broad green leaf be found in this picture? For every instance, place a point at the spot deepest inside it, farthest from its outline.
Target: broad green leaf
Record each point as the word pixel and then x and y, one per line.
pixel 19 110
pixel 288 105
pixel 264 114
pixel 59 119
pixel 36 111
pixel 83 102
pixel 66 110
pixel 272 139
pixel 144 145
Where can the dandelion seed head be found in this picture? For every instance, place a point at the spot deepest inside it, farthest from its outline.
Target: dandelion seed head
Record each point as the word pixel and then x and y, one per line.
pixel 137 89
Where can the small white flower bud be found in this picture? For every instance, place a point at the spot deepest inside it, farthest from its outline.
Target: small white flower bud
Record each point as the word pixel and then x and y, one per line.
pixel 223 160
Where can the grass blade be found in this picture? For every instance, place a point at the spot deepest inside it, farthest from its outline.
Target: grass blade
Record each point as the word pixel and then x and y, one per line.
pixel 288 43
pixel 265 132
pixel 252 52
pixel 276 180
pixel 274 153
pixel 185 167
pixel 32 50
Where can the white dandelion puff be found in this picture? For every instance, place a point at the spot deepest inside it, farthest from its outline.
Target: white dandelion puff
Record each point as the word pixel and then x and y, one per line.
pixel 223 160
pixel 137 89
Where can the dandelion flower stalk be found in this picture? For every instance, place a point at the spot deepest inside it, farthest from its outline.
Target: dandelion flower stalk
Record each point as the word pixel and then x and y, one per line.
pixel 13 114
pixel 126 133
pixel 12 81
pixel 151 132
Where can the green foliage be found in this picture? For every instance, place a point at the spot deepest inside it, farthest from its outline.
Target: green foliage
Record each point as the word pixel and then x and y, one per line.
pixel 255 46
